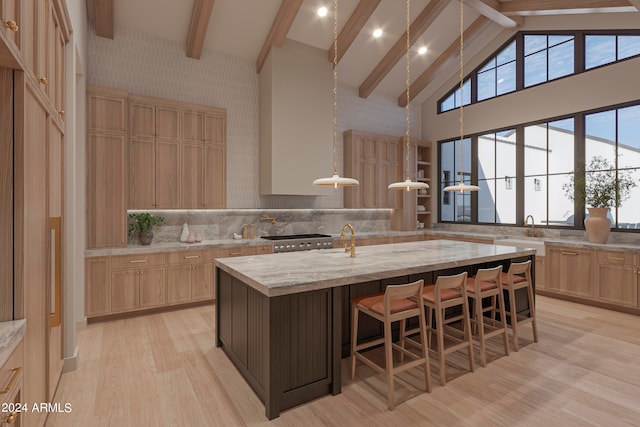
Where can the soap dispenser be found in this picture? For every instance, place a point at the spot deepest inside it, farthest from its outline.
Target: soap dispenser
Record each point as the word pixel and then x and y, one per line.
pixel 185 233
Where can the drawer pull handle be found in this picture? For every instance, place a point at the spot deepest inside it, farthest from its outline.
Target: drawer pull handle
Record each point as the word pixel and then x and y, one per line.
pixel 12 25
pixel 235 253
pixel 569 253
pixel 11 418
pixel 43 80
pixel 137 261
pixel 192 257
pixel 14 378
pixel 615 258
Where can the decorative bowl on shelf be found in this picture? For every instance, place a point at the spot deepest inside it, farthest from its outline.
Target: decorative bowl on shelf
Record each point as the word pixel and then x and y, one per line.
pixel 422 191
pixel 421 208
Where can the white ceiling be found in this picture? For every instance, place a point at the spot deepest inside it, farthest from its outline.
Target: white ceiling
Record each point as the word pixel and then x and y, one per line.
pixel 240 27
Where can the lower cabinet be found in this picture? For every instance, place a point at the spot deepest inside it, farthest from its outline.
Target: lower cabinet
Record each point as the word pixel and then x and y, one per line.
pixel 571 271
pixel 11 383
pixel 617 278
pixel 128 283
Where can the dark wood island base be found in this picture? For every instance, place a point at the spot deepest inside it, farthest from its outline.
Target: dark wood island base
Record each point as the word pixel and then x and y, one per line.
pixel 289 347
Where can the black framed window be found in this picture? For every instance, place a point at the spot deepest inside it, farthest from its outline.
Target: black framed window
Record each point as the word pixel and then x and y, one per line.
pixel 497 177
pixel 498 75
pixel 547 57
pixel 455 207
pixel 606 49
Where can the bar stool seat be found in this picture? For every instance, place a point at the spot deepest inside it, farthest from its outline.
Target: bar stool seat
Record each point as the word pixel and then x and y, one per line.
pixel 487 283
pixel 391 306
pixel 519 277
pixel 448 292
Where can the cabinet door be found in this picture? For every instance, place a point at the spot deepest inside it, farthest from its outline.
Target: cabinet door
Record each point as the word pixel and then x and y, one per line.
pixel 202 282
pixel 192 126
pixel 179 283
pixel 60 43
pixel 51 28
pixel 571 271
pixel 153 287
pixel 214 129
pixel 368 182
pixel 105 113
pixel 11 23
pixel 191 176
pixel 167 155
pixel 96 286
pixel 142 119
pixel 141 174
pixel 541 272
pixel 125 290
pixel 617 278
pixel 106 208
pixel 214 182
pixel 167 124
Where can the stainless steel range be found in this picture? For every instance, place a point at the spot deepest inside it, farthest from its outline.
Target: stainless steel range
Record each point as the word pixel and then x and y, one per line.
pixel 300 242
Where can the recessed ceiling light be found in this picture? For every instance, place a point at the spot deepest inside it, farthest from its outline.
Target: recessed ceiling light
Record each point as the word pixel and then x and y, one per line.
pixel 422 50
pixel 377 33
pixel 322 11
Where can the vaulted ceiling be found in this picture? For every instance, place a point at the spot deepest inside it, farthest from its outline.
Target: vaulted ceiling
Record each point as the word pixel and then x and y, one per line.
pixel 249 28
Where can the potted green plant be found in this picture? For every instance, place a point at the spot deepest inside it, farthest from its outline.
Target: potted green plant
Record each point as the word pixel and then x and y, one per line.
pixel 601 190
pixel 142 223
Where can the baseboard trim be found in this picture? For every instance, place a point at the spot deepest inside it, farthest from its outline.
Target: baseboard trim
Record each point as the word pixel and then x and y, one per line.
pixel 71 363
pixel 81 324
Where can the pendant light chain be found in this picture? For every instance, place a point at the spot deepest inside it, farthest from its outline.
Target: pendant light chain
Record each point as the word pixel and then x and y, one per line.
pixel 408 106
pixel 335 86
pixel 461 86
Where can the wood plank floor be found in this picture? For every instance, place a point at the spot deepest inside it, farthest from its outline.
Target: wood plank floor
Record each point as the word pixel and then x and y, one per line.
pixel 163 370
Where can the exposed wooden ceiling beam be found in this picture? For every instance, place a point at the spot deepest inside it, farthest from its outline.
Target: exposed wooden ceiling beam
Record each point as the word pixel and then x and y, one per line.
pixel 354 25
pixel 279 29
pixel 491 9
pixel 635 3
pixel 104 18
pixel 526 6
pixel 452 52
pixel 419 26
pixel 198 27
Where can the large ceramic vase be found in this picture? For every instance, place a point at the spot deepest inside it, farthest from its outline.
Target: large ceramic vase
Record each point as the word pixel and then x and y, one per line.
pixel 598 225
pixel 146 239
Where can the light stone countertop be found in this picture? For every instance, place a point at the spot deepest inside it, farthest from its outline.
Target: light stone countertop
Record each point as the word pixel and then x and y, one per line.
pixel 175 246
pixel 294 272
pixel 11 332
pixel 580 244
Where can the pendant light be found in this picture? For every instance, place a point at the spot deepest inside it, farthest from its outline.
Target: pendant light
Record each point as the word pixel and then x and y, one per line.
pixel 461 187
pixel 408 184
pixel 336 180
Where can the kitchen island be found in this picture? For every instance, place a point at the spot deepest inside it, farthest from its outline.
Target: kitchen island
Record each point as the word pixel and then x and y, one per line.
pixel 283 319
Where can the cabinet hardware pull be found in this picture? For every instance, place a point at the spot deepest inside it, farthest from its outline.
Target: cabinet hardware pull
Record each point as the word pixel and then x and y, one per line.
pixel 43 80
pixel 616 258
pixel 14 378
pixel 235 253
pixel 61 112
pixel 12 25
pixel 137 261
pixel 192 257
pixel 568 253
pixel 11 418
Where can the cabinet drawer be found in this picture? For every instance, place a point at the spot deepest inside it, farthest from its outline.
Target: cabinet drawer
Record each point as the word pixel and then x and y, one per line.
pixel 137 261
pixel 11 374
pixel 622 258
pixel 187 257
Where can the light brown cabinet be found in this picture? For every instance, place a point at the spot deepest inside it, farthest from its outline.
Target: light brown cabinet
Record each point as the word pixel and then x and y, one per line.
pixel 541 272
pixel 202 176
pixel 11 384
pixel 10 21
pixel 190 276
pixel 96 294
pixel 375 161
pixel 571 271
pixel 617 278
pixel 106 168
pixel 153 174
pixel 137 282
pixel 206 127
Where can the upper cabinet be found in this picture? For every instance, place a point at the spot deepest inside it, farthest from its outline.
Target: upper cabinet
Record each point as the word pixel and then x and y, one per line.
pixel 208 128
pixel 11 23
pixel 376 161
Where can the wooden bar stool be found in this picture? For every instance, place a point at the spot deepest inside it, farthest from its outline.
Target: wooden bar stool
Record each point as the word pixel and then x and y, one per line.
pixel 391 306
pixel 487 283
pixel 519 277
pixel 449 291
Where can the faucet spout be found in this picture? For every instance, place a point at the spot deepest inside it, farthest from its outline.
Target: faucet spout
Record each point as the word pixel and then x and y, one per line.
pixel 531 232
pixel 351 249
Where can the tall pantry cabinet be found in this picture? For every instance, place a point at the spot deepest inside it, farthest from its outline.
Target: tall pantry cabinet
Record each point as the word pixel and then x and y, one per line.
pixel 32 45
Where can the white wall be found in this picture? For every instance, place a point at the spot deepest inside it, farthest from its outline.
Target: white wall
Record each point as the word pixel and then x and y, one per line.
pixel 151 66
pixel 75 222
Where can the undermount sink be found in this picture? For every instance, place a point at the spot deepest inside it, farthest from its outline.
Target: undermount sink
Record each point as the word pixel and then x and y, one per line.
pixel 534 243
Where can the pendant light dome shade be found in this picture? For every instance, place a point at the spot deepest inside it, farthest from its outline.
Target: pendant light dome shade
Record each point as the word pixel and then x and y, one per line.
pixel 461 187
pixel 408 185
pixel 336 181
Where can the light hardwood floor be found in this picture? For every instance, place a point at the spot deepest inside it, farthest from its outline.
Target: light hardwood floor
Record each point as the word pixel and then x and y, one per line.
pixel 163 370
